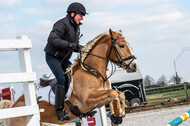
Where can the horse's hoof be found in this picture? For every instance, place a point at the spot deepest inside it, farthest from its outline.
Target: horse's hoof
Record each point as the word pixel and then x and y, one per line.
pixel 116 119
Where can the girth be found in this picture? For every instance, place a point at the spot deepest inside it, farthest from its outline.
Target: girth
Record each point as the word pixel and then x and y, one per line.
pixel 75 110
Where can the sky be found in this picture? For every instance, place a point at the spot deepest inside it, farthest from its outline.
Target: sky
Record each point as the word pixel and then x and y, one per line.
pixel 157 30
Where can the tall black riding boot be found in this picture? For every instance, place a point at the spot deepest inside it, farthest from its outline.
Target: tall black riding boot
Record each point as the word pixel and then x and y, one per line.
pixel 59 103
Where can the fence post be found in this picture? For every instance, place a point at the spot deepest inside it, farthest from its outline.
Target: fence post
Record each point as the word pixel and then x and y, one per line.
pixel 185 89
pixel 28 88
pixel 12 92
pixel 22 44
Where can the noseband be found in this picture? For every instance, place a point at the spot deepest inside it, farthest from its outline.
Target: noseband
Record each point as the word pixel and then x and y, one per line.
pixel 119 58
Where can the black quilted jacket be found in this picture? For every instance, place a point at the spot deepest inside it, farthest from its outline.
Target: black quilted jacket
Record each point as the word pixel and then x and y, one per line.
pixel 64 31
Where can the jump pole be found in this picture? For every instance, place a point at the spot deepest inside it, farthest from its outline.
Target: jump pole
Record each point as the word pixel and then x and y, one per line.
pixel 179 119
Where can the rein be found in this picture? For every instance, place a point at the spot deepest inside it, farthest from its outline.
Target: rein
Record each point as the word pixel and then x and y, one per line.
pixel 120 61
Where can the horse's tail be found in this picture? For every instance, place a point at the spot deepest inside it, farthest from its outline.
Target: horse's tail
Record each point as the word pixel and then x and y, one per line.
pixel 6 104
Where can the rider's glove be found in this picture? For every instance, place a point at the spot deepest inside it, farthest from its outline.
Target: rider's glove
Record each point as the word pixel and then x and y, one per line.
pixel 75 47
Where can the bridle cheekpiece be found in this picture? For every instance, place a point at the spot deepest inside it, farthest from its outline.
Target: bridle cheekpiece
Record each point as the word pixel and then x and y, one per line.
pixel 119 58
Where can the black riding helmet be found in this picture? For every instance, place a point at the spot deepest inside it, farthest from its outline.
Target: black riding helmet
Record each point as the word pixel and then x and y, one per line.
pixel 77 8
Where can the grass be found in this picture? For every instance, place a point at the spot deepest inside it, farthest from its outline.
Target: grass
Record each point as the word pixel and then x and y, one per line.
pixel 157 98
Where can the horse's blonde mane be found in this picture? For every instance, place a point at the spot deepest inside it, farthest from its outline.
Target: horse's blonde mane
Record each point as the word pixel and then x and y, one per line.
pixel 87 48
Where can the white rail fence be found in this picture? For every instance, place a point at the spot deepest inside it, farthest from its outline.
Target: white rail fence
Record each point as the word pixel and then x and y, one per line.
pixel 21 44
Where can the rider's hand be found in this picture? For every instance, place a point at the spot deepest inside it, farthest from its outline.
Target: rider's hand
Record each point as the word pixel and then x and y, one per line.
pixel 75 47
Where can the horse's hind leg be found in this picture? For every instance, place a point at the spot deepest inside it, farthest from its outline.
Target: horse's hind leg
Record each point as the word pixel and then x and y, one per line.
pixel 18 121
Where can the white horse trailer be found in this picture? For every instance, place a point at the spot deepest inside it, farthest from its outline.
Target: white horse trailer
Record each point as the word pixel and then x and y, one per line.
pixel 131 84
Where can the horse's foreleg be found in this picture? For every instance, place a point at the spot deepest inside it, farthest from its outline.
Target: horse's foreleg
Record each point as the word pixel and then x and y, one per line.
pixel 117 109
pixel 115 105
pixel 122 102
pixel 103 97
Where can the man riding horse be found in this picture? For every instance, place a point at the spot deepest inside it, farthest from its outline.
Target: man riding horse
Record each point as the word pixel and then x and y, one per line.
pixel 90 86
pixel 62 42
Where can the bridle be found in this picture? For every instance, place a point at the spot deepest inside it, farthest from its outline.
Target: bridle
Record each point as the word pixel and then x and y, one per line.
pixel 119 58
pixel 120 61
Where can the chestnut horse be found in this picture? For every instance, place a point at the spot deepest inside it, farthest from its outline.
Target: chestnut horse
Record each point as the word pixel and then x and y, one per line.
pixel 91 88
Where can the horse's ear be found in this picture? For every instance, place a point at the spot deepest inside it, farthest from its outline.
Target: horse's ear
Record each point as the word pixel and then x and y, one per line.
pixel 111 33
pixel 120 31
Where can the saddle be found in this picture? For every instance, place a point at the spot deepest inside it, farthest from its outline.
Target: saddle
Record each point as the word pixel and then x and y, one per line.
pixel 44 81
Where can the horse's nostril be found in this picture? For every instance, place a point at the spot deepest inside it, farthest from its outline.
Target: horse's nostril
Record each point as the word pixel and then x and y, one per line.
pixel 135 66
pixel 124 65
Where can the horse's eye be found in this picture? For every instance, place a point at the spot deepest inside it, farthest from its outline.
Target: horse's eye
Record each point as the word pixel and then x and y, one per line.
pixel 122 46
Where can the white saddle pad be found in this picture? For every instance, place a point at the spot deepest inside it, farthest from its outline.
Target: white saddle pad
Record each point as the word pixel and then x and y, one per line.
pixel 43 92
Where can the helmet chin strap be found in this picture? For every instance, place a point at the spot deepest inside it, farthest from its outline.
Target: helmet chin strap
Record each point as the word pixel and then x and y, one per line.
pixel 74 17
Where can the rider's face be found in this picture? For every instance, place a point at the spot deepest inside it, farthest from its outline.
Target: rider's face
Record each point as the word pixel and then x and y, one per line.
pixel 78 17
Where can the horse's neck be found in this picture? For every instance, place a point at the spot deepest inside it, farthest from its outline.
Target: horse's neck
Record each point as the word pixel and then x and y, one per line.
pixel 97 62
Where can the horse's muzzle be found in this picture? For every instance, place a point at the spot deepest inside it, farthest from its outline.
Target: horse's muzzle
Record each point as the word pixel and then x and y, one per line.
pixel 130 66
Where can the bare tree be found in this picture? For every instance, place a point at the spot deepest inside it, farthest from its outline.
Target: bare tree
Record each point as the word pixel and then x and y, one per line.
pixel 162 81
pixel 148 81
pixel 175 80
